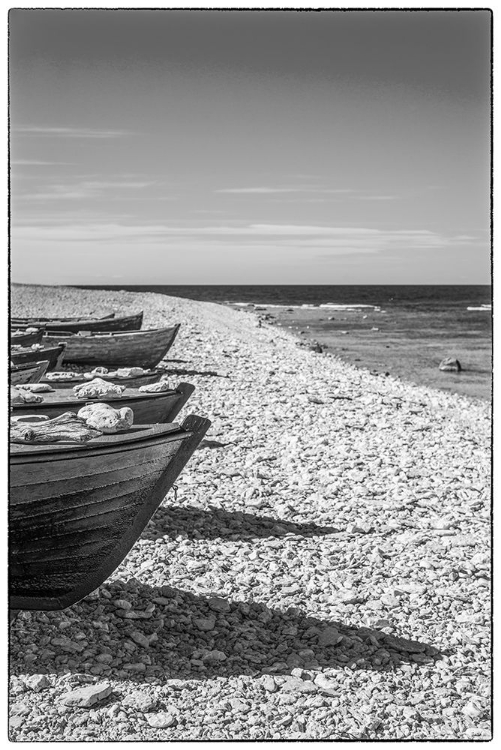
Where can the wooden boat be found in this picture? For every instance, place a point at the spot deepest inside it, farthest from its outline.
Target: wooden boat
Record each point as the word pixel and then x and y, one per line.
pixel 28 373
pixel 134 349
pixel 115 323
pixel 148 408
pixel 22 338
pixel 28 319
pixel 54 354
pixel 153 376
pixel 75 510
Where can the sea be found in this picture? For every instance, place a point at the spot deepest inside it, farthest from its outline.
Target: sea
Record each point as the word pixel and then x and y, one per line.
pixel 393 330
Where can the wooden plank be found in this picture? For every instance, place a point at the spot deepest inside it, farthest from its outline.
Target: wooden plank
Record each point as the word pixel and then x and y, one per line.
pixel 48 497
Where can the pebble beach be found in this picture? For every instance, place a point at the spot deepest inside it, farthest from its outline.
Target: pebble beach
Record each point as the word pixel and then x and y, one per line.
pixel 321 572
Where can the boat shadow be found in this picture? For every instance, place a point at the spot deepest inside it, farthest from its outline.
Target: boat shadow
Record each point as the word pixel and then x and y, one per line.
pixel 175 367
pixel 169 371
pixel 217 523
pixel 195 637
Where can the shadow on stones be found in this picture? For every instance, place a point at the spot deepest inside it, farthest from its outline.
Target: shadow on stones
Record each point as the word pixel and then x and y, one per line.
pixel 183 371
pixel 213 444
pixel 215 523
pixel 248 639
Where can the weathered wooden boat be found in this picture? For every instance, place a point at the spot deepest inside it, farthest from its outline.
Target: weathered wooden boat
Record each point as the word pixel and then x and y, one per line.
pixel 52 353
pixel 75 510
pixel 153 376
pixel 148 408
pixel 115 323
pixel 23 338
pixel 28 319
pixel 32 372
pixel 135 349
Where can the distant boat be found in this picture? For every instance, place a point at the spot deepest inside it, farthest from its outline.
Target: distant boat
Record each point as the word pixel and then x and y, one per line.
pixel 76 509
pixel 27 319
pixel 23 338
pixel 132 349
pixel 483 308
pixel 31 372
pixel 111 323
pixel 54 354
pixel 148 408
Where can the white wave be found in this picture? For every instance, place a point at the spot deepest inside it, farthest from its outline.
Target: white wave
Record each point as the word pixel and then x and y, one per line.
pixel 267 304
pixel 305 306
pixel 333 306
pixel 484 308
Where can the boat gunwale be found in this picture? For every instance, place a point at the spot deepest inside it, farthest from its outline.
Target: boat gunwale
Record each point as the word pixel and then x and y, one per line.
pixel 102 334
pixel 29 350
pixel 88 401
pixel 129 440
pixel 26 365
pixel 155 372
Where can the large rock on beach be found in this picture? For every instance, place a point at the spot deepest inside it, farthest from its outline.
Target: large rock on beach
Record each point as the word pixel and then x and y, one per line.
pixel 449 364
pixel 85 697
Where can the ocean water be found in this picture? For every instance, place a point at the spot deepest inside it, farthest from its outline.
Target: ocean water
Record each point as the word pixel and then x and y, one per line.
pixel 404 331
pixel 432 297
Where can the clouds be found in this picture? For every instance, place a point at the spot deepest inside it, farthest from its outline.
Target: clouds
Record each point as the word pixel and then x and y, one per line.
pixel 51 187
pixel 377 197
pixel 59 132
pixel 252 253
pixel 341 240
pixel 304 192
pixel 37 163
pixel 183 143
pixel 274 190
pixel 82 190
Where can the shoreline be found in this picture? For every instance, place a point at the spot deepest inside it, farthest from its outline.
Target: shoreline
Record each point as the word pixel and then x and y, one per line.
pixel 350 346
pixel 323 566
pixel 381 328
pixel 378 351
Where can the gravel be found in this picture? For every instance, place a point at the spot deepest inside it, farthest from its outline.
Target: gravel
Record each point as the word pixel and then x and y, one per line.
pixel 322 572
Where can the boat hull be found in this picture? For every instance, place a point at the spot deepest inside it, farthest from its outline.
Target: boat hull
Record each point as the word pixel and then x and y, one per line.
pixel 28 373
pixel 75 512
pixel 115 323
pixel 152 408
pixel 28 320
pixel 135 349
pixel 26 339
pixel 53 354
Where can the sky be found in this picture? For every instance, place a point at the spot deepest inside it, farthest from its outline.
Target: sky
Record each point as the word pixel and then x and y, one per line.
pixel 249 147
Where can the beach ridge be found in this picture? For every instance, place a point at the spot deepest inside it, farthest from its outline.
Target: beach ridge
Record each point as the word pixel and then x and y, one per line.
pixel 329 541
